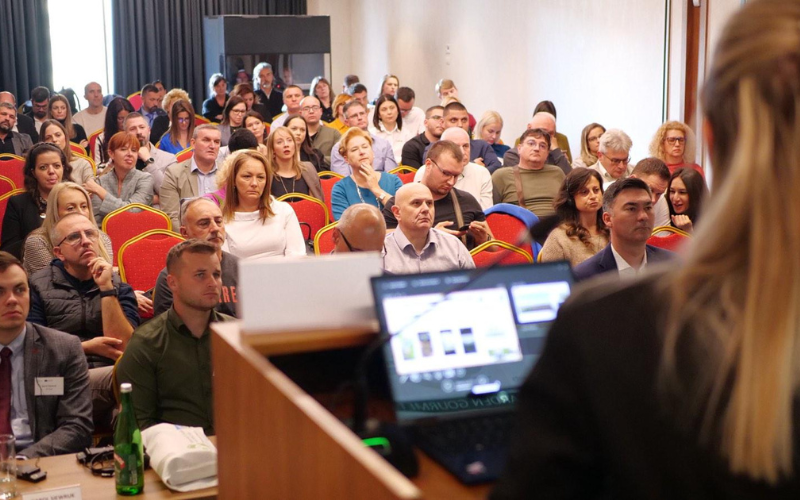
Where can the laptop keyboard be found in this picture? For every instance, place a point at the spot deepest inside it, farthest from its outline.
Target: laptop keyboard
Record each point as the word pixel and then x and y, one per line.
pixel 486 433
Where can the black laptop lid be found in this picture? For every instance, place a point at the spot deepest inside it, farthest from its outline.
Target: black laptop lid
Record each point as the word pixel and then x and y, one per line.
pixel 464 341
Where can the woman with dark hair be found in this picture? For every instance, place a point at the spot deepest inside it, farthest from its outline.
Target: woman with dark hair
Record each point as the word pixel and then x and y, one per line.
pixel 321 89
pixel 254 122
pixel 59 109
pixel 579 207
pixel 54 132
pixel 590 145
pixel 232 118
pixel 685 195
pixel 299 128
pixel 214 105
pixel 246 92
pixel 181 128
pixel 387 123
pixel 117 110
pixel 45 166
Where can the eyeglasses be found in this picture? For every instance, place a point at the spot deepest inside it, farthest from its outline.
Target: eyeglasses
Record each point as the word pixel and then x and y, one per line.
pixel 676 140
pixel 185 120
pixel 239 111
pixel 349 246
pixel 446 173
pixel 310 109
pixel 536 144
pixel 617 161
pixel 76 237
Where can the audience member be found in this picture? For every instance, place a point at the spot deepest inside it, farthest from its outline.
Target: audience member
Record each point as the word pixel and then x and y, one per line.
pixel 215 105
pixel 297 125
pixel 58 109
pixel 590 145
pixel 489 129
pixel 257 225
pixel 162 124
pixel 685 196
pixel 254 122
pixel 232 118
pixel 559 140
pixel 628 214
pixel 169 358
pixel 15 143
pixel 120 183
pixel 151 103
pixel 40 103
pixel 416 246
pixel 547 122
pixel 361 228
pixel 414 149
pixel 474 179
pixel 447 92
pixel 389 85
pixel 193 177
pixel 579 207
pixel 162 91
pixel 655 174
pixel 455 209
pixel 118 109
pixel 413 117
pixel 65 198
pixel 290 175
pixel 455 115
pixel 388 124
pixel 322 137
pixel 338 122
pixel 355 114
pixel 53 131
pixel 266 91
pixel 93 118
pixel 321 89
pixel 150 159
pixel 181 128
pixel 24 123
pixel 248 95
pixel 674 144
pixel 348 81
pixel 45 166
pixel 613 156
pixel 533 181
pixel 292 96
pixel 57 423
pixel 358 91
pixel 201 219
pixel 241 139
pixel 365 184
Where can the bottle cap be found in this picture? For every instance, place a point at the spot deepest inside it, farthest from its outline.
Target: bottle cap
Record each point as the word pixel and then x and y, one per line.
pixel 126 387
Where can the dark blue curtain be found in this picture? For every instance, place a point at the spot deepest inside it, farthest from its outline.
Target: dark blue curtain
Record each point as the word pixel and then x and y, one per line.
pixel 163 39
pixel 26 60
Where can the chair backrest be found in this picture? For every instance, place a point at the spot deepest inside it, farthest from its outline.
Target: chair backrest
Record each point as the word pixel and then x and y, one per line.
pixel 510 229
pixel 144 256
pixel 7 185
pixel 668 238
pixel 90 160
pixel 406 174
pixel 136 100
pixel 93 141
pixel 323 241
pixel 505 254
pixel 309 211
pixel 184 155
pixel 200 120
pixel 12 167
pixel 77 148
pixel 4 202
pixel 327 180
pixel 132 220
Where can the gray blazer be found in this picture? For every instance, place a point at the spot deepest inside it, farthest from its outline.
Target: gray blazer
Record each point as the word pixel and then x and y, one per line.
pixel 22 143
pixel 137 187
pixel 59 424
pixel 179 182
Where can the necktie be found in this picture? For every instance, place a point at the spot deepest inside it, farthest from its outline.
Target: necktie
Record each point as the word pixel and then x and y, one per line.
pixel 5 391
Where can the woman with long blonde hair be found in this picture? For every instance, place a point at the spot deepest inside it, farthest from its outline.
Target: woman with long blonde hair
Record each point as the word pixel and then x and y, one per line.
pixel 290 175
pixel 684 384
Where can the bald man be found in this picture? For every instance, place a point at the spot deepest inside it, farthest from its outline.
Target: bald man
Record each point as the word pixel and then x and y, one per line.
pixel 547 122
pixel 24 124
pixel 360 229
pixel 92 118
pixel 416 246
pixel 475 179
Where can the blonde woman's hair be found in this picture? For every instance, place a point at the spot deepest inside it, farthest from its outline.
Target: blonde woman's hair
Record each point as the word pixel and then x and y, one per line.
pixel 273 135
pixel 733 330
pixel 174 95
pixel 657 144
pixel 587 156
pixel 51 217
pixel 340 100
pixel 487 118
pixel 232 197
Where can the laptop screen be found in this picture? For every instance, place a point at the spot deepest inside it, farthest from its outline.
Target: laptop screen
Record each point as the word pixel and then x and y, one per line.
pixel 464 341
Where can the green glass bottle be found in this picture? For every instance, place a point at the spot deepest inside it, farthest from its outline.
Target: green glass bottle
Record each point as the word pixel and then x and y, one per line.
pixel 128 450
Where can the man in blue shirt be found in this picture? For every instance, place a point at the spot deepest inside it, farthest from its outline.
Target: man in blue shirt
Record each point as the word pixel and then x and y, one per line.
pixel 151 104
pixel 355 115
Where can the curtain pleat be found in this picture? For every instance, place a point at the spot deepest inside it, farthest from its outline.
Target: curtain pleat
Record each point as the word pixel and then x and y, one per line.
pixel 25 37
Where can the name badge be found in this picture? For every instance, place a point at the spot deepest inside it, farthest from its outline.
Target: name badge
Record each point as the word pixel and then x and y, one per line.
pixel 49 386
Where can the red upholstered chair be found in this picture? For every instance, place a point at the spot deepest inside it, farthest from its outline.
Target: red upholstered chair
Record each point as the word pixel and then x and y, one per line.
pixel 312 213
pixel 184 155
pixel 4 199
pixel 323 241
pixel 124 224
pixel 6 185
pixel 327 179
pixel 136 100
pixel 11 167
pixel 508 254
pixel 406 174
pixel 77 148
pixel 669 238
pixel 200 120
pixel 509 229
pixel 93 141
pixel 142 257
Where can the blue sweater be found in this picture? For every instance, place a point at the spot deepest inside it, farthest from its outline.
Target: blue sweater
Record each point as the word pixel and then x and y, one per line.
pixel 345 193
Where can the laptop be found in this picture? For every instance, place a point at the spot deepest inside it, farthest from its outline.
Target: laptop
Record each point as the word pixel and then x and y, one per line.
pixel 462 343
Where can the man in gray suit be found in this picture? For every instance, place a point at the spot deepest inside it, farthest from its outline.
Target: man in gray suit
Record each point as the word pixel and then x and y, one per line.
pixel 45 400
pixel 194 177
pixel 15 143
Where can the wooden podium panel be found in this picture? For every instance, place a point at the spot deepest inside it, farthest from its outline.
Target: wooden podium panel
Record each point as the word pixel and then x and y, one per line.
pixel 277 442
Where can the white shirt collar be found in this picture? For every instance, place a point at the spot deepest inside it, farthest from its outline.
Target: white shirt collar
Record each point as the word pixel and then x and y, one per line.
pixel 622 264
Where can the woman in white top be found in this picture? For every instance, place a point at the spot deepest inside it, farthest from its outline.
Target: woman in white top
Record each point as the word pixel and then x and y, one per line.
pixel 387 123
pixel 257 225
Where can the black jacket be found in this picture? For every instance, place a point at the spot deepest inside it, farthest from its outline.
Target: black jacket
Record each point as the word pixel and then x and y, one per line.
pixel 21 217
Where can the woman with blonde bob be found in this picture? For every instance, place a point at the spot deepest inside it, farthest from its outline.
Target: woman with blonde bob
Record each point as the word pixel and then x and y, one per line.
pixel 257 226
pixel 674 144
pixel 685 383
pixel 590 145
pixel 338 113
pixel 489 129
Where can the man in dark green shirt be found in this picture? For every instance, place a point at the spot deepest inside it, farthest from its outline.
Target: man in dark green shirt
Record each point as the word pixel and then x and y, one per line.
pixel 168 360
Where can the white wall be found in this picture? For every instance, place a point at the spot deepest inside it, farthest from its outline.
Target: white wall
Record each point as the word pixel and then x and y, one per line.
pixel 597 61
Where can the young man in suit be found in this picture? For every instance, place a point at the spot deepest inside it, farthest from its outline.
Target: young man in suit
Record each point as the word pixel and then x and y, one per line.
pixel 45 400
pixel 628 213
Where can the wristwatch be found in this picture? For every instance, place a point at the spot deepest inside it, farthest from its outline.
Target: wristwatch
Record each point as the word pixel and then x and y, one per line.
pixel 109 293
pixel 150 160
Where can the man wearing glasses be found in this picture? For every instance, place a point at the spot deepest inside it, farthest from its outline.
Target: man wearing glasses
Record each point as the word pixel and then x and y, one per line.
pixel 414 149
pixel 40 101
pixel 456 212
pixel 613 159
pixel 355 115
pixel 322 137
pixel 151 159
pixel 361 228
pixel 79 294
